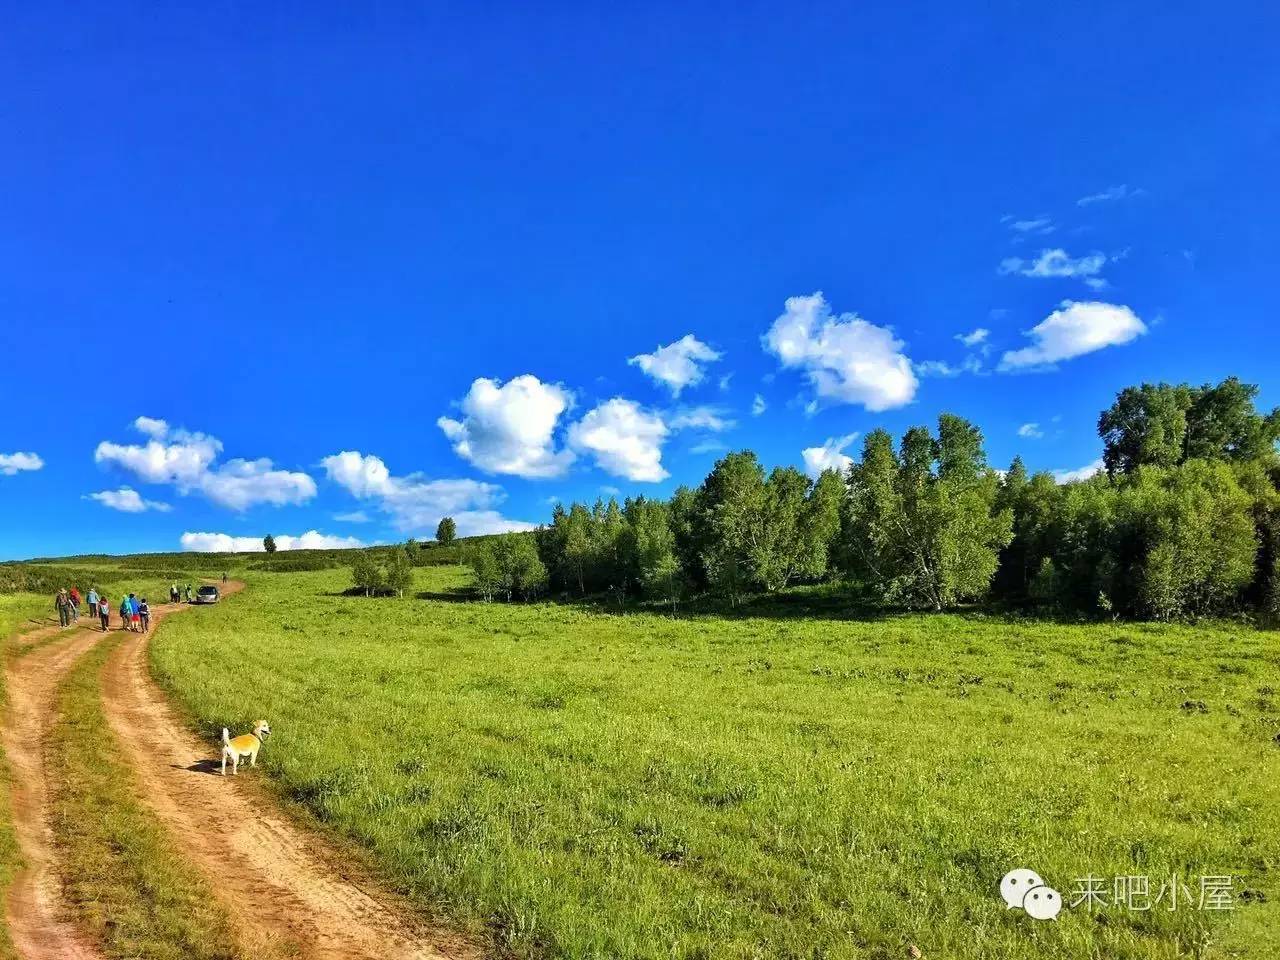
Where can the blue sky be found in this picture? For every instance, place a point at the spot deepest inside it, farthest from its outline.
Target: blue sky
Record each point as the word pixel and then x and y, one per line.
pixel 442 243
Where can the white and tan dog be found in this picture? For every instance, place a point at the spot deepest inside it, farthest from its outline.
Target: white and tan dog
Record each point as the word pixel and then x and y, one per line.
pixel 246 745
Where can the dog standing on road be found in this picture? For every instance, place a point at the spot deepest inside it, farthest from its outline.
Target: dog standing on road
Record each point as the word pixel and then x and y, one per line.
pixel 246 745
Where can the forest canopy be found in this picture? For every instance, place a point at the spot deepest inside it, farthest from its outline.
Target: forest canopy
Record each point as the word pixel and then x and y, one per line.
pixel 1184 522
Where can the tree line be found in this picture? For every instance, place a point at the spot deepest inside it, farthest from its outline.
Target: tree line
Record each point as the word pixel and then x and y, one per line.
pixel 1183 522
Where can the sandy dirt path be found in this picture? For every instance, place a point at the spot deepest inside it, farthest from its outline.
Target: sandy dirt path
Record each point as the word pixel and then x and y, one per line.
pixel 34 909
pixel 285 888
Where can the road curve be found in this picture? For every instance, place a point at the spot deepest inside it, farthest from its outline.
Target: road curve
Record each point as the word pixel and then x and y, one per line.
pixel 280 883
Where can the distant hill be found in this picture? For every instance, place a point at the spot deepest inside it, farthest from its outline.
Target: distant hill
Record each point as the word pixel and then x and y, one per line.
pixel 41 574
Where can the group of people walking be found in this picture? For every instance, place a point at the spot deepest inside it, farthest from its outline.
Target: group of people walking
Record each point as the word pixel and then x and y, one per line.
pixel 135 613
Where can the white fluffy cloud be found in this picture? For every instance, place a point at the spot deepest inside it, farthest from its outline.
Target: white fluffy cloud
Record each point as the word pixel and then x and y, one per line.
pixel 758 406
pixel 186 460
pixel 509 428
pixel 974 337
pixel 1074 329
pixel 361 476
pixel 678 365
pixel 701 418
pixel 829 456
pixel 225 543
pixel 1056 263
pixel 1030 431
pixel 415 504
pixel 151 427
pixel 182 461
pixel 127 500
pixel 14 463
pixel 845 358
pixel 1119 192
pixel 1081 473
pixel 624 438
pixel 240 484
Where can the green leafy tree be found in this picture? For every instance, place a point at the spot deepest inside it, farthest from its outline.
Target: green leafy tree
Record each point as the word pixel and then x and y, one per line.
pixel 366 573
pixel 1092 549
pixel 550 541
pixel 446 531
pixel 971 529
pixel 922 527
pixel 797 524
pixel 269 543
pixel 520 571
pixel 872 524
pixel 820 525
pixel 1198 537
pixel 732 503
pixel 579 545
pixel 1146 425
pixel 609 548
pixel 1035 506
pixel 777 534
pixel 654 550
pixel 688 528
pixel 1163 425
pixel 484 567
pixel 399 571
pixel 1224 424
pixel 1267 578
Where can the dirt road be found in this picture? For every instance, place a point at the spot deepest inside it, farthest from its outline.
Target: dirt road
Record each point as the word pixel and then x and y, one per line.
pixel 33 908
pixel 282 885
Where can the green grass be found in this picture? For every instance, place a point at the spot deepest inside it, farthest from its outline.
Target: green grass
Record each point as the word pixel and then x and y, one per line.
pixel 597 785
pixel 124 881
pixel 17 613
pixel 20 612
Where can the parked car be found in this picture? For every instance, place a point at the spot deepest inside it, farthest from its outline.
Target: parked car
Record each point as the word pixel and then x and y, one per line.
pixel 207 594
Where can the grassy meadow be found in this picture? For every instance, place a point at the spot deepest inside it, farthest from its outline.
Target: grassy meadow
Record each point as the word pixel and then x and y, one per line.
pixel 591 784
pixel 20 612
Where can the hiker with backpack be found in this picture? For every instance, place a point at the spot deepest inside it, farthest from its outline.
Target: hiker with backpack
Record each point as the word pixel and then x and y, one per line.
pixel 62 602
